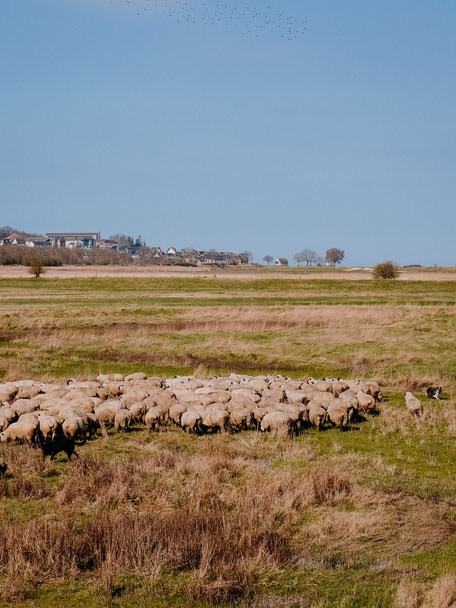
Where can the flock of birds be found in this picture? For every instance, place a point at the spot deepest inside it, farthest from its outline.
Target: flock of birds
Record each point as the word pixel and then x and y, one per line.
pixel 249 20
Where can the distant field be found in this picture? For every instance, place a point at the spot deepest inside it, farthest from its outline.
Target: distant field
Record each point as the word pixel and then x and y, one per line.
pixel 386 532
pixel 239 272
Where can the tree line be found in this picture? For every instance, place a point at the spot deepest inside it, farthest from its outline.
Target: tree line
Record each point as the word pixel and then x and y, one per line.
pixel 309 257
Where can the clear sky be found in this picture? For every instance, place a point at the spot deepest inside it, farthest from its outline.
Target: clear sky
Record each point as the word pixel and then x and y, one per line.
pixel 209 136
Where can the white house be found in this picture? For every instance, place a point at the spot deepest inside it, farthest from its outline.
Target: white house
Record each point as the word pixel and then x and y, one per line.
pixel 281 262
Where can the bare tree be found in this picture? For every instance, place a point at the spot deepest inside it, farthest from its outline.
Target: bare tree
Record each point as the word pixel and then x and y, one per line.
pixel 309 256
pixel 248 255
pixel 334 256
pixel 6 231
pixel 122 239
pixel 268 259
pixel 298 258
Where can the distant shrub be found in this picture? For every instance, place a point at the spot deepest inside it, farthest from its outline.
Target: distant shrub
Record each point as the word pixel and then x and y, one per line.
pixel 386 270
pixel 36 267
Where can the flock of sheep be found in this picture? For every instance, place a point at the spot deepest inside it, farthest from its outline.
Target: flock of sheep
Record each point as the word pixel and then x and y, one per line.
pixel 54 416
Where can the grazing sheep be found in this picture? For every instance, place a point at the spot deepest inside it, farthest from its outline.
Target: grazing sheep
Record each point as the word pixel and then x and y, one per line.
pixel 317 416
pixel 137 411
pixel 27 392
pixel 110 378
pixel 136 376
pixel 176 411
pixel 153 418
pixel 25 431
pixel 366 403
pixel 74 428
pixel 240 418
pixel 277 422
pixel 414 405
pixel 134 395
pixel 338 416
pixel 49 427
pixel 122 420
pixel 191 421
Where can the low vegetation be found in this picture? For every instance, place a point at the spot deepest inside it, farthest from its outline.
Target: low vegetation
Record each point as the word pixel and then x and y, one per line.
pixel 385 270
pixel 364 518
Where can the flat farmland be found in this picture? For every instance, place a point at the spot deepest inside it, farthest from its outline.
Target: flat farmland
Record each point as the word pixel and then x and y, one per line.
pixel 401 333
pixel 364 518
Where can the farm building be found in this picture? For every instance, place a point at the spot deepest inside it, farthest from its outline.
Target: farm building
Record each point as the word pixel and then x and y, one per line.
pixel 281 262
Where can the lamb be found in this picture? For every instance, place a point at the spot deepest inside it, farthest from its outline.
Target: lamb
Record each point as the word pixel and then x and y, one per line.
pixel 414 405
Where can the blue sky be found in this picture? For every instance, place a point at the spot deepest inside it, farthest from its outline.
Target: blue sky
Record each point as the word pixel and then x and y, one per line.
pixel 194 135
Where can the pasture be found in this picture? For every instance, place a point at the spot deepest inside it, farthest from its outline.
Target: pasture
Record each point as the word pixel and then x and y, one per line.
pixel 364 518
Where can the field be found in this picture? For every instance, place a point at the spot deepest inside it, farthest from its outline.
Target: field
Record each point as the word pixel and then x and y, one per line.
pixel 365 518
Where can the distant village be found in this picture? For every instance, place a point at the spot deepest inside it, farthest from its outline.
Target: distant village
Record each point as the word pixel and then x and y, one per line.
pixel 136 250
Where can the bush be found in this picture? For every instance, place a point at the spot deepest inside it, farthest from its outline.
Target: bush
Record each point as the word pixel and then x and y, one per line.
pixel 36 267
pixel 386 270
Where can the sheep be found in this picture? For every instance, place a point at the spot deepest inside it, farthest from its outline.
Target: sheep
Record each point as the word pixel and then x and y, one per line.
pixel 137 411
pixel 366 403
pixel 277 422
pixel 9 414
pixel 136 376
pixel 134 396
pixel 215 419
pixel 317 416
pixel 176 411
pixel 191 421
pixel 240 418
pixel 113 388
pixel 8 392
pixel 110 378
pixel 414 405
pixel 25 431
pixel 122 420
pixel 338 416
pixel 153 418
pixel 74 428
pixel 27 392
pixel 24 406
pixel 49 427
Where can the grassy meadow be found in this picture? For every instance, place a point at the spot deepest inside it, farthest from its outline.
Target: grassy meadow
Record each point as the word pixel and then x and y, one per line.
pixel 363 519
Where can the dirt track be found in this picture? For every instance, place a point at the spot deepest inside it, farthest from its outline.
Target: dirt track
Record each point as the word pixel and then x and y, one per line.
pixel 14 272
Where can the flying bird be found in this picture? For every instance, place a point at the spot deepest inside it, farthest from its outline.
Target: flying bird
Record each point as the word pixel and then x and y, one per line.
pixel 249 21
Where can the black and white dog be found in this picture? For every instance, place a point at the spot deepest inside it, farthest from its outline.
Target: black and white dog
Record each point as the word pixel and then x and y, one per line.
pixel 434 392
